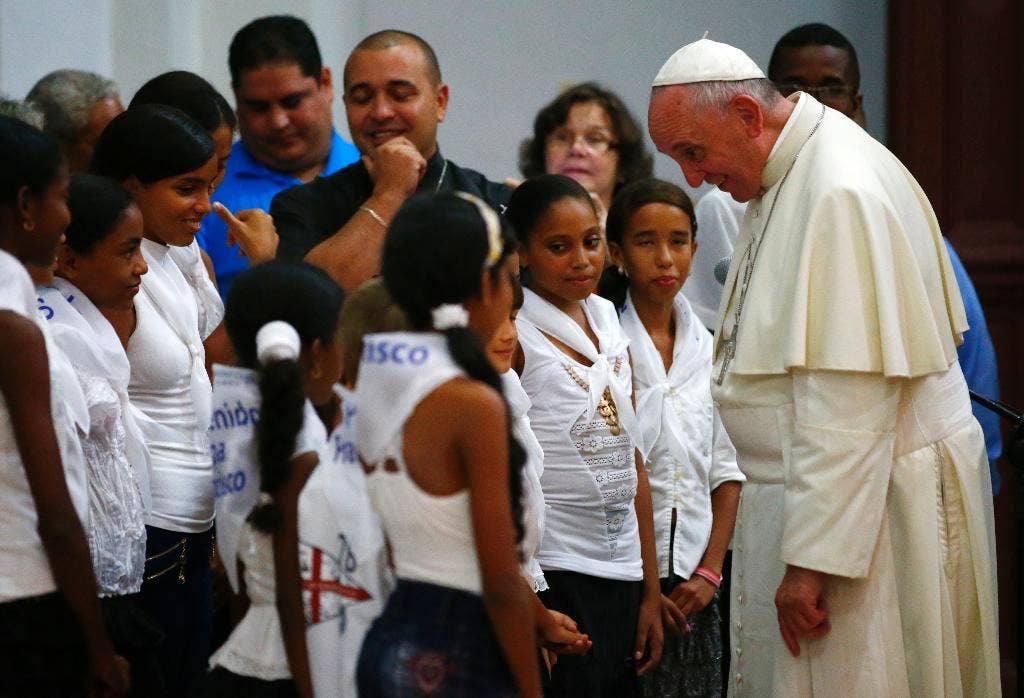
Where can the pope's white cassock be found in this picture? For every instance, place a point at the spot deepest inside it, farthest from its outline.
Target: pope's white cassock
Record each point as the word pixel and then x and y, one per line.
pixel 853 425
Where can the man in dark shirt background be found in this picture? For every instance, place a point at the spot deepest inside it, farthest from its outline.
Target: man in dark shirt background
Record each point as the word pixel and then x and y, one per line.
pixel 394 100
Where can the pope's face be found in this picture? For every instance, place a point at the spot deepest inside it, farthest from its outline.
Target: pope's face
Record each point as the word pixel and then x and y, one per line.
pixel 709 144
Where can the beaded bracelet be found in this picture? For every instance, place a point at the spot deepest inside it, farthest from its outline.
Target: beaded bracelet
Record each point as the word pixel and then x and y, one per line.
pixel 709 575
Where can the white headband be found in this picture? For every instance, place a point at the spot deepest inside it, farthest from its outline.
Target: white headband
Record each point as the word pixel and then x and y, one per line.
pixel 276 341
pixel 493 223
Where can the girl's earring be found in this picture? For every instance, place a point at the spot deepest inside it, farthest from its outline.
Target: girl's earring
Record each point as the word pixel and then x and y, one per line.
pixel 623 272
pixel 315 372
pixel 28 225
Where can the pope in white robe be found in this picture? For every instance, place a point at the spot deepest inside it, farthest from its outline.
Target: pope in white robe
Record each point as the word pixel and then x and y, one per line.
pixel 837 379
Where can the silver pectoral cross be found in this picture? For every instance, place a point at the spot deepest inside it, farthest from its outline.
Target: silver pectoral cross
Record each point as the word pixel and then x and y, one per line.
pixel 728 352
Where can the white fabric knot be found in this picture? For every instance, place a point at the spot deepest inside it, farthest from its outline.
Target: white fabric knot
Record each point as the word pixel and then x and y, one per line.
pixel 277 341
pixel 448 315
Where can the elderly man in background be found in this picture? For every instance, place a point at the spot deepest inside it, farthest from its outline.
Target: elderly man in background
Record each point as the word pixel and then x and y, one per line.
pixel 864 551
pixel 394 101
pixel 77 105
pixel 23 111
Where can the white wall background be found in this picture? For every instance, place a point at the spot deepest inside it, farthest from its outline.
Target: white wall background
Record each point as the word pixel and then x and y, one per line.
pixel 503 60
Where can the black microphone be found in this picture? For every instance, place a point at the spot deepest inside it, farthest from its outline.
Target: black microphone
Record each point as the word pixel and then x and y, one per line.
pixel 722 269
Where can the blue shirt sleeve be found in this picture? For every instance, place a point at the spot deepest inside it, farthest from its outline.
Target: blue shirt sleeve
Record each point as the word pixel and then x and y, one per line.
pixel 978 361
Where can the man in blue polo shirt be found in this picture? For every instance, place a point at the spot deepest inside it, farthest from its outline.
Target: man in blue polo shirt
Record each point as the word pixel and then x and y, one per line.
pixel 283 94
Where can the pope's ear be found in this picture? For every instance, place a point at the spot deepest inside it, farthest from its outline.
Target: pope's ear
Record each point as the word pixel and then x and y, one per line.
pixel 750 112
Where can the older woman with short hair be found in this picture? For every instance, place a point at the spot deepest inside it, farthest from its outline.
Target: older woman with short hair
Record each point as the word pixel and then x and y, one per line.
pixel 587 133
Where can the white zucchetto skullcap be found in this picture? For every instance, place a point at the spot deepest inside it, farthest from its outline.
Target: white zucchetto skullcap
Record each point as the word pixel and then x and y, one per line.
pixel 705 61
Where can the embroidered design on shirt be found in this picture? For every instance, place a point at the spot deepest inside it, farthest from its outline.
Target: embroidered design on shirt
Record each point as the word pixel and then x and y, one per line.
pixel 606 407
pixel 328 583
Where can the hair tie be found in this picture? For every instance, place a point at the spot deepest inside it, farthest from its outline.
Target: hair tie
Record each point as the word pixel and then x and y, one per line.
pixel 448 315
pixel 493 225
pixel 276 341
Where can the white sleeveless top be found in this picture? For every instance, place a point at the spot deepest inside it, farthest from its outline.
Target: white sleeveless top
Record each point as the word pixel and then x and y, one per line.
pixel 589 477
pixel 24 568
pixel 343 560
pixel 431 536
pixel 171 388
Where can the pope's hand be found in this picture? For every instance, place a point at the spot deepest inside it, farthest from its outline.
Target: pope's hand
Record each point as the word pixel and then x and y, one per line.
pixel 396 168
pixel 801 608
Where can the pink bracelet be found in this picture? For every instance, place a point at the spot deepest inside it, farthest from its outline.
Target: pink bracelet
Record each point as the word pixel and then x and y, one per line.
pixel 709 575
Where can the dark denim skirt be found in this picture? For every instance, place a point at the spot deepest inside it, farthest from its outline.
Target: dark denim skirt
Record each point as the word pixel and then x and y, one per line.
pixel 432 641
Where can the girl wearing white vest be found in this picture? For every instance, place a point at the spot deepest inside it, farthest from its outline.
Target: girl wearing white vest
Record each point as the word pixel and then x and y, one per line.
pixel 99 270
pixel 598 546
pixel 167 161
pixel 443 470
pixel 344 564
pixel 267 438
pixel 52 636
pixel 695 482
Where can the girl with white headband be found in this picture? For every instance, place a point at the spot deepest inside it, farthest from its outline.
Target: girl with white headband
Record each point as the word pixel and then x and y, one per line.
pixel 443 471
pixel 266 437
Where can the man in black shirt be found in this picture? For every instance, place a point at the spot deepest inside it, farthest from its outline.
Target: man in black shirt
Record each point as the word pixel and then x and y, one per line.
pixel 394 100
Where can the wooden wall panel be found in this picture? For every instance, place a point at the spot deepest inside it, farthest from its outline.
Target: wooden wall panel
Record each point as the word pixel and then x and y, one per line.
pixel 956 93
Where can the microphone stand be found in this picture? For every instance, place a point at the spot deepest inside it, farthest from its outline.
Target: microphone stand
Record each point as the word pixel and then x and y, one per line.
pixel 1014 451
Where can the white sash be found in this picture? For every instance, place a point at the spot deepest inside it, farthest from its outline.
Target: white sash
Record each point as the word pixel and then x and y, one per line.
pixel 90 341
pixel 605 324
pixel 690 359
pixel 236 469
pixel 69 408
pixel 71 334
pixel 342 560
pixel 396 371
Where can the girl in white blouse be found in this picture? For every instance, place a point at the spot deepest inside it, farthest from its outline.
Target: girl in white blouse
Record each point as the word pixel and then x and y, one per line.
pixel 597 552
pixel 695 483
pixel 100 268
pixel 167 161
pixel 267 439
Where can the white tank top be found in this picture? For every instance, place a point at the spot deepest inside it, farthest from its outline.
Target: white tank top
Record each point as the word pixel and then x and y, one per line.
pixel 431 536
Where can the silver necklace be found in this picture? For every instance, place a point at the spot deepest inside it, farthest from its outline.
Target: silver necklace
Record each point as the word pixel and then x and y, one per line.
pixel 729 345
pixel 440 180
